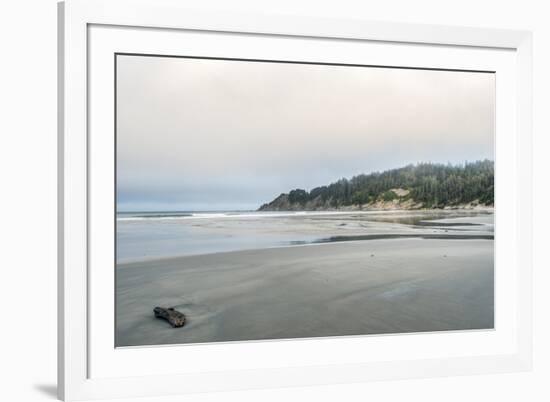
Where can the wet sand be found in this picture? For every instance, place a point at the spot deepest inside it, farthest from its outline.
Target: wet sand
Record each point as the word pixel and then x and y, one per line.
pixel 344 288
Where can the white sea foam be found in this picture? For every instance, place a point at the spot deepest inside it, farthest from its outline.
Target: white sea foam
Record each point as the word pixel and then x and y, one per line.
pixel 239 215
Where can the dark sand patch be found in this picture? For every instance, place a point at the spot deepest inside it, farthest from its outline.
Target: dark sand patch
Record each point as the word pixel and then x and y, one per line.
pixel 346 288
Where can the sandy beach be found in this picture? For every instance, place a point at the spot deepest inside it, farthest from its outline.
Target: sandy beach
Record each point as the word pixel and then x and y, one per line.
pixel 375 286
pixel 267 200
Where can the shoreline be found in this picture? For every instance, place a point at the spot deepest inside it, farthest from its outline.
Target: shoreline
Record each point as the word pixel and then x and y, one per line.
pixel 286 213
pixel 320 242
pixel 190 236
pixel 389 208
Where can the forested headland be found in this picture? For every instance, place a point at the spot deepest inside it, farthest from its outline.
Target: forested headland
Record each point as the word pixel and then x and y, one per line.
pixel 423 185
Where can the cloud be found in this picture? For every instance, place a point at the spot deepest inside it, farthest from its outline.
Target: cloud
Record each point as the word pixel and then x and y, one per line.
pixel 198 132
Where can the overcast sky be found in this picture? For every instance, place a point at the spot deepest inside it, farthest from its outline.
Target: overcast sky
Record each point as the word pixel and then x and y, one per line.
pixel 229 135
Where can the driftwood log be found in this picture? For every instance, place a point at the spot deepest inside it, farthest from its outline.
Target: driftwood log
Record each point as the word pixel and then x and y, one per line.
pixel 174 317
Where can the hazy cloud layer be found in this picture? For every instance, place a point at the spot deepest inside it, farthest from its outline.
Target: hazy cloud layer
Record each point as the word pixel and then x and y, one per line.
pixel 211 134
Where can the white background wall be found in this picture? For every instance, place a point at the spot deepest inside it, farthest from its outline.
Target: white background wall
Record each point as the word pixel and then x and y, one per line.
pixel 28 198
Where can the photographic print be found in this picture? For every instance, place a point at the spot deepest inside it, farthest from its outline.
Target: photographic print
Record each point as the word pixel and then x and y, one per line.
pixel 264 200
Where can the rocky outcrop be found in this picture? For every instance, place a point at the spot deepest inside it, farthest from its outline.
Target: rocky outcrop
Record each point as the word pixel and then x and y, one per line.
pixel 283 203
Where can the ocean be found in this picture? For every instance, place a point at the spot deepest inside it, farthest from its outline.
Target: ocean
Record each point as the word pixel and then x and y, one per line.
pixel 160 234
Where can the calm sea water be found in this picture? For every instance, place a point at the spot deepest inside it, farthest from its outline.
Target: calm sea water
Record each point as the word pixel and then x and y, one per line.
pixel 145 235
pixel 150 235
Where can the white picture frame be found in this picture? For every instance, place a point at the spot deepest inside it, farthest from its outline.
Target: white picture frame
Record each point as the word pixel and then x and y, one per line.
pixel 91 31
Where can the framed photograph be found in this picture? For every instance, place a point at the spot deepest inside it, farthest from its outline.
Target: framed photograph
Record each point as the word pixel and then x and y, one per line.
pixel 252 201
